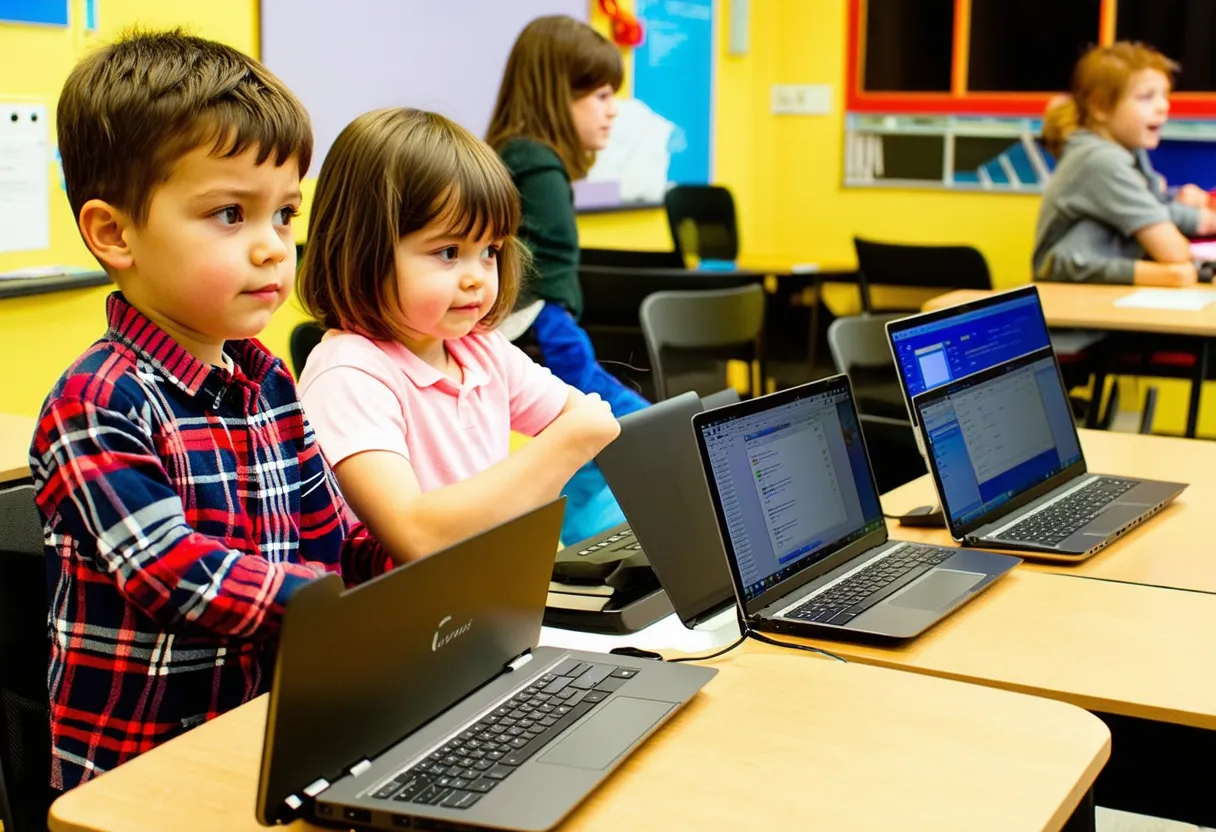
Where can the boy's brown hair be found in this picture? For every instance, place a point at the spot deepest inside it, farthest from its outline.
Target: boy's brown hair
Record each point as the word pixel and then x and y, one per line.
pixel 388 174
pixel 132 109
pixel 555 61
pixel 1098 82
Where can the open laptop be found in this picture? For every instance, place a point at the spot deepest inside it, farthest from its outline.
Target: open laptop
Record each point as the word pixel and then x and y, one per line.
pixel 421 700
pixel 1006 458
pixel 654 471
pixel 802 526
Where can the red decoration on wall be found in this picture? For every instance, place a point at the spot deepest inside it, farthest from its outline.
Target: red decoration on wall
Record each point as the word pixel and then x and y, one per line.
pixel 626 29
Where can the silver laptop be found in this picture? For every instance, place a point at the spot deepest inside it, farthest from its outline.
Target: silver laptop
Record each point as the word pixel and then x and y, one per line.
pixel 1007 462
pixel 802 526
pixel 420 700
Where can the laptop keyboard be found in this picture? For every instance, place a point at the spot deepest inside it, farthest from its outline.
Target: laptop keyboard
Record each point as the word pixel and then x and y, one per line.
pixel 1054 524
pixel 610 540
pixel 473 762
pixel 850 598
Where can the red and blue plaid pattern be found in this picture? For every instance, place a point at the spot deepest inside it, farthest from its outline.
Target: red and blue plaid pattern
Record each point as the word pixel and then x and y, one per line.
pixel 183 505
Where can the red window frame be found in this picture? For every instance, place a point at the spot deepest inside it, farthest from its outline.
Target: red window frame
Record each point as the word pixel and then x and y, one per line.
pixel 961 102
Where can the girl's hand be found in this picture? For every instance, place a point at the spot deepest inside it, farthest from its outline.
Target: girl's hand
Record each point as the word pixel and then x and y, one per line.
pixel 1193 195
pixel 587 425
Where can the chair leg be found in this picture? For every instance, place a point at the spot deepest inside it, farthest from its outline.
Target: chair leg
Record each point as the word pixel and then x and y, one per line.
pixel 1095 399
pixel 1150 410
pixel 1112 407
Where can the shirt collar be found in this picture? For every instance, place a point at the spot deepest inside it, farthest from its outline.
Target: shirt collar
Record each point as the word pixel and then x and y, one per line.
pixel 424 375
pixel 127 325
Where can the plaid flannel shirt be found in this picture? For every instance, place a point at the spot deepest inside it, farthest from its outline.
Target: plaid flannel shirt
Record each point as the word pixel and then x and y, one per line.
pixel 183 504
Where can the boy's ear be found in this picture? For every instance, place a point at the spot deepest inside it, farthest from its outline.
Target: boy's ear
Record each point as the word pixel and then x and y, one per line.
pixel 104 229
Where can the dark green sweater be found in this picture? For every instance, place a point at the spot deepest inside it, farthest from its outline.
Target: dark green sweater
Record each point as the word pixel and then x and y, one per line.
pixel 548 226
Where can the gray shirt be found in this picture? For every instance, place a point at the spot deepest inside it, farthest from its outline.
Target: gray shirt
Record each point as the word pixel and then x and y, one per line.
pixel 1100 195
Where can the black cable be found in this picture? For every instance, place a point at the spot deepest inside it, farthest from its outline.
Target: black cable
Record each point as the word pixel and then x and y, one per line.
pixel 750 633
pixel 721 652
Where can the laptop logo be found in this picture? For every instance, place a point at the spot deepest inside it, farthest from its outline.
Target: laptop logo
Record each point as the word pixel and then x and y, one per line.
pixel 440 639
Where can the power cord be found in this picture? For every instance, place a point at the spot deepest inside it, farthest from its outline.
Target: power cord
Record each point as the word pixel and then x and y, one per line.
pixel 748 632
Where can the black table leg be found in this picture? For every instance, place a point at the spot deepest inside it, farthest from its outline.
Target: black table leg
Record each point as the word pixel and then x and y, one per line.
pixel 1201 374
pixel 1082 819
pixel 1093 416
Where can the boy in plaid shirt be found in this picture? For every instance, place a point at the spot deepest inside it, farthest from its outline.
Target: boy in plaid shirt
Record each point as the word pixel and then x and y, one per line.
pixel 183 493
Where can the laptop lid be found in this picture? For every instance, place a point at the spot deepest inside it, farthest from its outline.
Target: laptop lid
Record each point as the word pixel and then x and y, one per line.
pixel 998 439
pixel 358 670
pixel 791 487
pixel 940 346
pixel 654 472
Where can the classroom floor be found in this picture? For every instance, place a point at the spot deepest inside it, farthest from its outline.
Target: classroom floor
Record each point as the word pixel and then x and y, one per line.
pixel 1111 821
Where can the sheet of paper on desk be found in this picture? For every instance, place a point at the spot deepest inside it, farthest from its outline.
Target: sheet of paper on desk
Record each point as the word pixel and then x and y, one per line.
pixel 25 202
pixel 1181 300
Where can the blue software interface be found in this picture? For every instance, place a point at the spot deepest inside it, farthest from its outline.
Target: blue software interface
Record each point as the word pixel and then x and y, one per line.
pixel 794 484
pixel 955 346
pixel 991 440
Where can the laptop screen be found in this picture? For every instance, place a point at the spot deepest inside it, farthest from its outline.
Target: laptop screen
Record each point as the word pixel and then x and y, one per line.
pixel 791 479
pixel 941 346
pixel 996 434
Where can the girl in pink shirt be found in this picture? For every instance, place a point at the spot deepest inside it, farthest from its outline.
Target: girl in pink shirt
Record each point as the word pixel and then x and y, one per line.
pixel 412 260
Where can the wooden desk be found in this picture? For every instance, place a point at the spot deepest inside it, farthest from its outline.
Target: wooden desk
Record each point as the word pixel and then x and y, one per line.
pixel 1118 648
pixel 854 748
pixel 1088 306
pixel 15 434
pixel 1175 549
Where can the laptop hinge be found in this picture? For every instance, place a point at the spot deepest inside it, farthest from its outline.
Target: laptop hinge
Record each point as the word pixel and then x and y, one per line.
pixel 519 661
pixel 360 767
pixel 319 785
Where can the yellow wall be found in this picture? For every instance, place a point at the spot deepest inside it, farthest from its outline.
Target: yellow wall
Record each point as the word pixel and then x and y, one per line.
pixel 785 173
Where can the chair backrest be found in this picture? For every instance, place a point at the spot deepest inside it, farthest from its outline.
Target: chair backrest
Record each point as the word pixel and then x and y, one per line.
pixel 709 210
pixel 894 456
pixel 304 338
pixel 944 267
pixel 25 733
pixel 612 300
pixel 629 259
pixel 859 342
pixel 720 324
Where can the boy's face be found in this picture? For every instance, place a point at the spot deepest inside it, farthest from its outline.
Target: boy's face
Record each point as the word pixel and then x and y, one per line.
pixel 1137 119
pixel 216 256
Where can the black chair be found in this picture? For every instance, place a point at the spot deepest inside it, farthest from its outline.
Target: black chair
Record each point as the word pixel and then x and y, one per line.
pixel 893 453
pixel 859 348
pixel 932 267
pixel 628 259
pixel 25 649
pixel 612 300
pixel 703 222
pixel 303 339
pixel 691 334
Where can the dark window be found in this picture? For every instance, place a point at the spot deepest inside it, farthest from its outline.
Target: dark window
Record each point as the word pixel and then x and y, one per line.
pixel 1029 45
pixel 1185 30
pixel 913 157
pixel 908 45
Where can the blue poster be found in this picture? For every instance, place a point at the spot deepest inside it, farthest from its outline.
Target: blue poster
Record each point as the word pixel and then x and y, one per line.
pixel 45 12
pixel 673 75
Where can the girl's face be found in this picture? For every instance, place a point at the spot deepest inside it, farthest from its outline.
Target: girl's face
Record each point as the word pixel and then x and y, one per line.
pixel 593 115
pixel 1137 119
pixel 445 284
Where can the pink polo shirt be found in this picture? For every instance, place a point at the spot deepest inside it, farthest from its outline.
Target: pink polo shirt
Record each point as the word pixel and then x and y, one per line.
pixel 363 395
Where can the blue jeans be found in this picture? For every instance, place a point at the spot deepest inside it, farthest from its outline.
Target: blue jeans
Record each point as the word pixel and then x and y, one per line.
pixel 567 352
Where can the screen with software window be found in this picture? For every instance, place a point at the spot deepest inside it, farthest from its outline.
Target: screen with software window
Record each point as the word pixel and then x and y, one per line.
pixel 793 483
pixel 930 354
pixel 992 439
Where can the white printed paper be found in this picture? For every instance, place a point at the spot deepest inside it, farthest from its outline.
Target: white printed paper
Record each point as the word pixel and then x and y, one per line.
pixel 25 206
pixel 1180 300
pixel 637 155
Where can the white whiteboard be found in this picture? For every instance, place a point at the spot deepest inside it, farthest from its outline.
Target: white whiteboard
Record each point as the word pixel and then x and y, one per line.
pixel 346 58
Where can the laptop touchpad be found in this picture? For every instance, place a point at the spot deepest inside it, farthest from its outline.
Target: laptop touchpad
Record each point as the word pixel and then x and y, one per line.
pixel 607 734
pixel 936 590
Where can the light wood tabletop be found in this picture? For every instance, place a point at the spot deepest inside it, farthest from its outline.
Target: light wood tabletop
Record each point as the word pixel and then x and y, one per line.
pixel 1175 549
pixel 1088 306
pixel 771 740
pixel 1119 648
pixel 15 434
